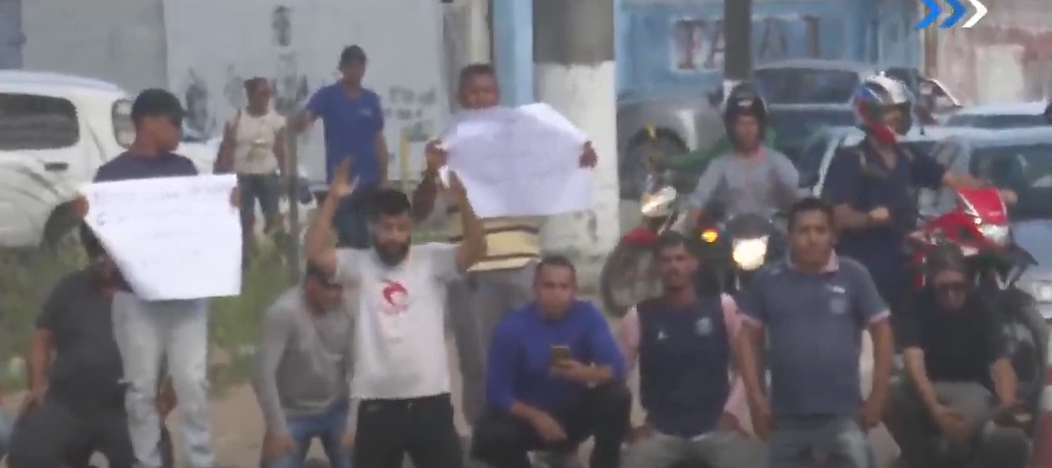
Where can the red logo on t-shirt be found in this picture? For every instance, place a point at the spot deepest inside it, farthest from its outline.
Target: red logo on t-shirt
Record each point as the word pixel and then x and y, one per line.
pixel 396 297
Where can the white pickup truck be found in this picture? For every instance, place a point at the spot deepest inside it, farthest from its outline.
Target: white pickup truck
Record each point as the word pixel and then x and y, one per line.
pixel 55 132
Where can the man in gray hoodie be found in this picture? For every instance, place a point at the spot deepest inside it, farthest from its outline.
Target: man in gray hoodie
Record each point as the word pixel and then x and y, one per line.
pixel 303 372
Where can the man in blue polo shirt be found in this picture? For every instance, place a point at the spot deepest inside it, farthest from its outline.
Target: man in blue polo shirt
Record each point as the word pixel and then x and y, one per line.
pixel 353 121
pixel 872 186
pixel 147 331
pixel 812 307
pixel 555 377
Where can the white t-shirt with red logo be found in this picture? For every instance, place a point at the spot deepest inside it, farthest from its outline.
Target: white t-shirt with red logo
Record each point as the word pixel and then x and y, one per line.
pixel 401 347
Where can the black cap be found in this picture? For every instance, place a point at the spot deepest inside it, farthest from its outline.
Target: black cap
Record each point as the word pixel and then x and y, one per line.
pixel 352 53
pixel 319 274
pixel 156 102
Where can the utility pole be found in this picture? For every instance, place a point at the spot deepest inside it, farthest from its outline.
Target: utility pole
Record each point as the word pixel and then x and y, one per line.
pixel 737 43
pixel 573 53
pixel 294 242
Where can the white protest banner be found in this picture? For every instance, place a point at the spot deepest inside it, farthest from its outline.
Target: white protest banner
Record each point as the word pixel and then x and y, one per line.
pixel 519 162
pixel 172 238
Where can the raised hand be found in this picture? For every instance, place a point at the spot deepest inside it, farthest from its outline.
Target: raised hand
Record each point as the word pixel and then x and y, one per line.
pixel 342 184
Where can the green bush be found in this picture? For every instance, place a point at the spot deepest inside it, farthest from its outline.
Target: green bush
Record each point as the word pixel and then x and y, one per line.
pixel 27 276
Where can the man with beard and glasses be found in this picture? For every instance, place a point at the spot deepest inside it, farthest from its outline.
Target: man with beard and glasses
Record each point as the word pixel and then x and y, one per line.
pixel 501 281
pixel 958 375
pixel 812 308
pixel 682 339
pixel 150 333
pixel 303 373
pixel 401 375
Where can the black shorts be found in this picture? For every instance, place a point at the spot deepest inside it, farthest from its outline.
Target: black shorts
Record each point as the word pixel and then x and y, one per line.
pixel 421 427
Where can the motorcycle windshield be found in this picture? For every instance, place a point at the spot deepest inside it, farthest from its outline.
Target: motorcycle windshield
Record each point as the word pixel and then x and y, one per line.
pixel 749 226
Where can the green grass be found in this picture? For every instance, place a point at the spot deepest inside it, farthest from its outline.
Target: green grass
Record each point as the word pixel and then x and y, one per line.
pixel 27 276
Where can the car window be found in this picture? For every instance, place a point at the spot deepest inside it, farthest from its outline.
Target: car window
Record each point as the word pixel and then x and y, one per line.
pixel 996 121
pixel 806 85
pixel 809 162
pixel 33 122
pixel 1025 169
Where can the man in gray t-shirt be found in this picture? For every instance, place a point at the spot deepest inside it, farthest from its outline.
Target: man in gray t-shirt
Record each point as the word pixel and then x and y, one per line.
pixel 303 372
pixel 751 178
pixel 737 184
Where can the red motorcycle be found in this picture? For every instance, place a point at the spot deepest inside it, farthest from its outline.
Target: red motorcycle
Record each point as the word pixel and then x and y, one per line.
pixel 979 226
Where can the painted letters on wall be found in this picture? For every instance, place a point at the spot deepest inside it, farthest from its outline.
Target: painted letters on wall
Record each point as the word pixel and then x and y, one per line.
pixel 214 46
pixel 681 45
pixel 697 45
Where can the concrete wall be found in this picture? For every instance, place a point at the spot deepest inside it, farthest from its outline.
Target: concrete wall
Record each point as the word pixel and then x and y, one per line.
pixel 1006 57
pixel 117 40
pixel 203 49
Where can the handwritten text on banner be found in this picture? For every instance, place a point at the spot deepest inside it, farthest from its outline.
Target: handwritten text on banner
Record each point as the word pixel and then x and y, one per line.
pixel 172 238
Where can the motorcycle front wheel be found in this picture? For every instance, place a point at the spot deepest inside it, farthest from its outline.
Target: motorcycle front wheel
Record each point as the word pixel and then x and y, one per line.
pixel 1026 333
pixel 627 278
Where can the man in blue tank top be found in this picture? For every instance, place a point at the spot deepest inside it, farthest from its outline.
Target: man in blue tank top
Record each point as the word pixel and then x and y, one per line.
pixel 682 341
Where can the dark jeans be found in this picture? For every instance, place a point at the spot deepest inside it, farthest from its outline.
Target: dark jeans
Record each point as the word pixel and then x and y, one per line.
pixel 421 427
pixel 63 432
pixel 266 188
pixel 503 440
pixel 328 427
pixel 352 219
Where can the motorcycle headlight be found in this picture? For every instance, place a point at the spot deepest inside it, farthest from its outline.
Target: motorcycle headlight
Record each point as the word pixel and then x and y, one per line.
pixel 996 233
pixel 749 254
pixel 1042 291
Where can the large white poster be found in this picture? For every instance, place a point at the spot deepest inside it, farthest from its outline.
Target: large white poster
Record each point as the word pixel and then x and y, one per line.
pixel 214 45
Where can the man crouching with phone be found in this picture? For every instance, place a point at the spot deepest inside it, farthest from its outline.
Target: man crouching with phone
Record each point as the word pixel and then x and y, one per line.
pixel 555 378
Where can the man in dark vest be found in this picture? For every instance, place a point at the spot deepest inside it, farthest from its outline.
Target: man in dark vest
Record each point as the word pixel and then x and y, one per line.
pixel 683 341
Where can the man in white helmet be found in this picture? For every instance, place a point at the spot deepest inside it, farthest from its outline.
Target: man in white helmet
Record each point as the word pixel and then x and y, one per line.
pixel 871 185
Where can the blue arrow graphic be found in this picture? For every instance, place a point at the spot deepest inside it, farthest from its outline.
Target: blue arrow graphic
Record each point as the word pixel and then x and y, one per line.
pixel 933 14
pixel 958 13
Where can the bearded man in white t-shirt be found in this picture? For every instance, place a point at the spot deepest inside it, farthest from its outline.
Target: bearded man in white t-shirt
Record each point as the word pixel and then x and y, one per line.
pixel 401 376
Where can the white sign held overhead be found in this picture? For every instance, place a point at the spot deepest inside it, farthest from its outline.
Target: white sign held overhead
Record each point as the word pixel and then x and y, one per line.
pixel 521 161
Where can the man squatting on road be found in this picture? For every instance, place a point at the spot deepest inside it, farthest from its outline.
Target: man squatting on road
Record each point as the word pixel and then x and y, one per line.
pixel 555 378
pixel 682 340
pixel 813 307
pixel 303 373
pixel 401 371
pixel 503 279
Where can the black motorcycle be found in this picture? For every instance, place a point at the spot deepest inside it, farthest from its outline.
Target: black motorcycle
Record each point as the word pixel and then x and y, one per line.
pixel 736 249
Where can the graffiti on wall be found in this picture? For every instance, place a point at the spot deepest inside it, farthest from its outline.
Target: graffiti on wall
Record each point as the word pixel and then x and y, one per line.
pixel 290 85
pixel 410 110
pixel 998 61
pixel 697 43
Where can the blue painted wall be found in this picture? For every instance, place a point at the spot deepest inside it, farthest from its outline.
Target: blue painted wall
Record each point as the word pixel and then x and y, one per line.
pixel 665 47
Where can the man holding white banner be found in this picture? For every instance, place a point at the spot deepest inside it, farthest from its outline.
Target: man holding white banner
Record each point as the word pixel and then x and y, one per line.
pixel 503 280
pixel 154 231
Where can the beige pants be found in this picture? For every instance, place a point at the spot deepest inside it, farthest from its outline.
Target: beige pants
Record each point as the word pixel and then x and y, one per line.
pixel 476 304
